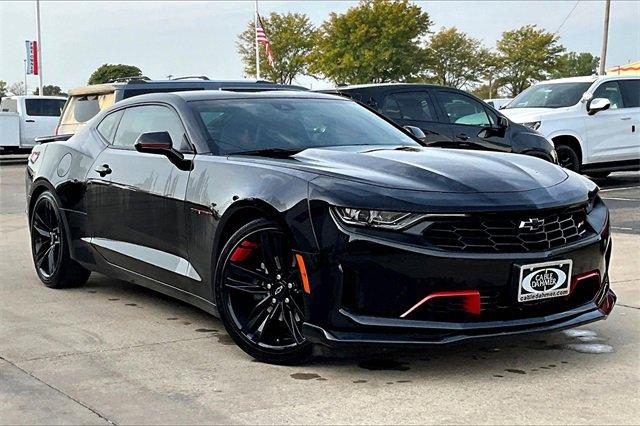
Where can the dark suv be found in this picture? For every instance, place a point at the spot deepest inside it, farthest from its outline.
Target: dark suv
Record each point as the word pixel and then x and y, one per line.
pixel 450 118
pixel 86 101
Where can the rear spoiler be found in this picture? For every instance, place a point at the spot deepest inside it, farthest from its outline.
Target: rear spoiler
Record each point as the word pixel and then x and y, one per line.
pixel 53 138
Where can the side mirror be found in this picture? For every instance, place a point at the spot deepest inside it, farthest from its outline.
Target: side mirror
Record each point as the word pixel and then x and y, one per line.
pixel 416 132
pixel 503 122
pixel 598 104
pixel 161 143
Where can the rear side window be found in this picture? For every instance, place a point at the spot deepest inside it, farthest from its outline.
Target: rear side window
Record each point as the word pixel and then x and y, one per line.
pixel 408 106
pixel 610 90
pixel 144 119
pixel 108 126
pixel 44 107
pixel 81 109
pixel 630 93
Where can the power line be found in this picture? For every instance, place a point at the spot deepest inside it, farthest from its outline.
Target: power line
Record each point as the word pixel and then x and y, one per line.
pixel 567 17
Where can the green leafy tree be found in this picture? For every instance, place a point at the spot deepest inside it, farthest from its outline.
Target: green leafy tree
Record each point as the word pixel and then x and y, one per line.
pixel 374 42
pixel 3 89
pixel 453 58
pixel 50 90
pixel 491 69
pixel 528 54
pixel 572 64
pixel 291 36
pixel 109 72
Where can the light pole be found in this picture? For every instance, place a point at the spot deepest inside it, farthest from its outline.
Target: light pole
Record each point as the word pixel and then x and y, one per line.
pixel 39 48
pixel 605 37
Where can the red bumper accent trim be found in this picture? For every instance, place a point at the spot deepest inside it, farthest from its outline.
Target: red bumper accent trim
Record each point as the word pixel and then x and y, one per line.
pixel 471 300
pixel 577 279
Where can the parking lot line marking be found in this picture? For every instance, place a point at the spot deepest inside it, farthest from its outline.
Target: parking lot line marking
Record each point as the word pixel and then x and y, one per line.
pixel 618 189
pixel 620 199
pixel 622 228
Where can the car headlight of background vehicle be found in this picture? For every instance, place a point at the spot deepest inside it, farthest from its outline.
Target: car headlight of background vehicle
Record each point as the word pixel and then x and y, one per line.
pixel 375 218
pixel 535 125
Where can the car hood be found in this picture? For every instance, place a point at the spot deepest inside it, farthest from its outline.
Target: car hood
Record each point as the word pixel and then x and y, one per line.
pixel 528 115
pixel 433 169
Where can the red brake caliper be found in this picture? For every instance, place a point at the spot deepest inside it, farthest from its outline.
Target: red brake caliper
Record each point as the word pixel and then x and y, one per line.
pixel 243 251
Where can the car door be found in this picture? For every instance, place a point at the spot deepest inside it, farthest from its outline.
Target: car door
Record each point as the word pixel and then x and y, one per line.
pixel 137 219
pixel 469 120
pixel 415 108
pixel 611 136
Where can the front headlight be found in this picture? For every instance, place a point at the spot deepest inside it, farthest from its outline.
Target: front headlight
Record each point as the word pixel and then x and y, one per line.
pixel 535 125
pixel 376 218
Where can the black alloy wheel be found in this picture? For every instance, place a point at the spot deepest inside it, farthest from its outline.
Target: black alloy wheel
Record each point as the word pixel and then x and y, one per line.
pixel 568 158
pixel 260 295
pixel 48 245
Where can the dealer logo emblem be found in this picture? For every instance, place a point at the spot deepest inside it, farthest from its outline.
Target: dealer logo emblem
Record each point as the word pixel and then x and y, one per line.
pixel 533 224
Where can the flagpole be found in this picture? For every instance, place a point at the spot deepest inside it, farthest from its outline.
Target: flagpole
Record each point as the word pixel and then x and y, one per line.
pixel 255 36
pixel 25 77
pixel 41 93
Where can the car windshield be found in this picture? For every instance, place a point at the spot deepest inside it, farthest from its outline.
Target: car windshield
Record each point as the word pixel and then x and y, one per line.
pixel 242 125
pixel 555 95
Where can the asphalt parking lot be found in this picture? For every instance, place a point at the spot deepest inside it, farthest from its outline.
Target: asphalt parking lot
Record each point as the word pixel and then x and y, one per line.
pixel 111 353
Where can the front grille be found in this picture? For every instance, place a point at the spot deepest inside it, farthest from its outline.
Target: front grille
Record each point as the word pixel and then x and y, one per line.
pixel 509 233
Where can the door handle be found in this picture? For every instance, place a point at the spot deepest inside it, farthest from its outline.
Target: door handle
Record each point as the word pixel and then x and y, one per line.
pixel 625 118
pixel 462 136
pixel 30 121
pixel 104 170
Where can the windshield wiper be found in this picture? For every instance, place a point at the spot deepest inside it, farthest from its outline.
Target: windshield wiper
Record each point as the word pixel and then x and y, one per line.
pixel 270 152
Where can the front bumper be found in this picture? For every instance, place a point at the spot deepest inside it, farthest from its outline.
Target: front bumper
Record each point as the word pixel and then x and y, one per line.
pixel 362 285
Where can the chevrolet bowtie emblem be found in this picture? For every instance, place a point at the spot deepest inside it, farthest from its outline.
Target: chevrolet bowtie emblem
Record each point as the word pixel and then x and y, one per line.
pixel 532 224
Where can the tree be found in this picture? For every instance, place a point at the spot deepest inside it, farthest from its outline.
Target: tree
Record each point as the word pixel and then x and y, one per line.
pixel 109 72
pixel 374 42
pixel 50 90
pixel 291 36
pixel 453 58
pixel 17 89
pixel 3 89
pixel 574 64
pixel 529 55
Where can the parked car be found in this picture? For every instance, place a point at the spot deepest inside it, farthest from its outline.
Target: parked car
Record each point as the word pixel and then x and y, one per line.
pixel 86 101
pixel 593 121
pixel 24 118
pixel 450 118
pixel 306 219
pixel 498 103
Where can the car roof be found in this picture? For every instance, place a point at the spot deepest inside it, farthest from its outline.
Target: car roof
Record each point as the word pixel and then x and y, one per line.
pixel 589 79
pixel 205 95
pixel 62 98
pixel 195 83
pixel 381 85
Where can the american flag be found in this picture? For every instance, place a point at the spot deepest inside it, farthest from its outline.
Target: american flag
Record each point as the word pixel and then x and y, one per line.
pixel 261 38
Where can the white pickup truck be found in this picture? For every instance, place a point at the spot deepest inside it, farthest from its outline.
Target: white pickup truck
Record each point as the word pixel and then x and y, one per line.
pixel 594 122
pixel 24 118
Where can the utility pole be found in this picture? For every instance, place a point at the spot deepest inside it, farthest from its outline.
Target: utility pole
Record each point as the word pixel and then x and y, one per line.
pixel 41 93
pixel 605 37
pixel 255 36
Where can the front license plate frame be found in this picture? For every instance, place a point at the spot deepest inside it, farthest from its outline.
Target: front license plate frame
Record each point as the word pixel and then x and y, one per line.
pixel 538 281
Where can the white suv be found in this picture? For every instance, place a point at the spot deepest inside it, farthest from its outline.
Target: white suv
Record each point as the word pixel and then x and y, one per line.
pixel 594 122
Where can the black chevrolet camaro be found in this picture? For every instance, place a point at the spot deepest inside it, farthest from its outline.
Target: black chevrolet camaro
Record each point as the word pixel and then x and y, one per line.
pixel 305 221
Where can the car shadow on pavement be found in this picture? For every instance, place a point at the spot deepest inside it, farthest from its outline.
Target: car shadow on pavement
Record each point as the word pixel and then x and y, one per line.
pixel 539 354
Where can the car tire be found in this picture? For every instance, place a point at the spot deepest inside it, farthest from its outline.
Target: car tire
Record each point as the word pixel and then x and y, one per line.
pixel 50 248
pixel 598 175
pixel 568 158
pixel 251 292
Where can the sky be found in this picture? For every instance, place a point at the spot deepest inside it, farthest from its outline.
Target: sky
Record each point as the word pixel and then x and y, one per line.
pixel 198 38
